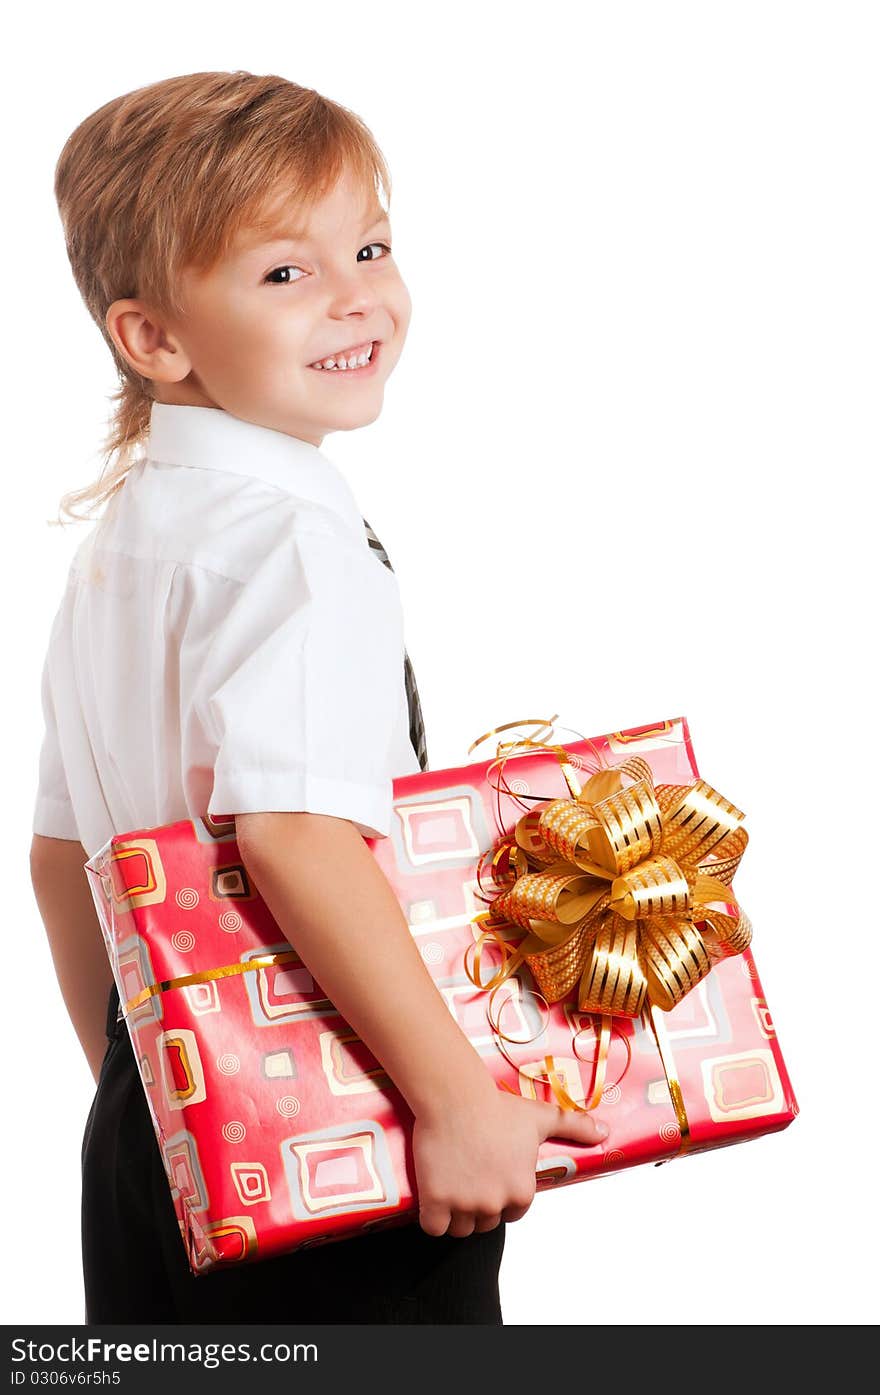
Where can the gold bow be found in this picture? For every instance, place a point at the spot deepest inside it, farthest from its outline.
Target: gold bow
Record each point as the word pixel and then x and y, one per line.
pixel 619 890
pixel 618 887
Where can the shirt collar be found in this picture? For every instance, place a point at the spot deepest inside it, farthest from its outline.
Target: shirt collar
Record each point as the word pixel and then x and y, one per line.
pixel 210 438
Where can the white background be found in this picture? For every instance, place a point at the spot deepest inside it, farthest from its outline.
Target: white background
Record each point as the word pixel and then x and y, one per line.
pixel 625 471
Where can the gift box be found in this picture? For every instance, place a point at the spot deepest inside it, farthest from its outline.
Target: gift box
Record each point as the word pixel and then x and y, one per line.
pixel 279 1129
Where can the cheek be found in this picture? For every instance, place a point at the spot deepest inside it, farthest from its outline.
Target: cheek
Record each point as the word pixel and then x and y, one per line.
pixel 401 306
pixel 396 302
pixel 244 340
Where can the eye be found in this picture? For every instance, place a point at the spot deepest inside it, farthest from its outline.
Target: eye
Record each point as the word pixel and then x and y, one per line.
pixel 269 279
pixel 376 244
pixel 277 272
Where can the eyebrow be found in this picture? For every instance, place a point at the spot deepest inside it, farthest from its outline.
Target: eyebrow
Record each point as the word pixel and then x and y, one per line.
pixel 265 233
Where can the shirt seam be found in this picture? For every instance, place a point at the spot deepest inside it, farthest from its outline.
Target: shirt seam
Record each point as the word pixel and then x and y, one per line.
pixel 171 561
pixel 303 772
pixel 201 566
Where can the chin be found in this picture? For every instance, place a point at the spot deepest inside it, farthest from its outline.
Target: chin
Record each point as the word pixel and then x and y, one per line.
pixel 358 416
pixel 349 425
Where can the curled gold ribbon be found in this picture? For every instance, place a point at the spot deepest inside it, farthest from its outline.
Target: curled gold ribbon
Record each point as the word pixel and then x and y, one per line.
pixel 619 890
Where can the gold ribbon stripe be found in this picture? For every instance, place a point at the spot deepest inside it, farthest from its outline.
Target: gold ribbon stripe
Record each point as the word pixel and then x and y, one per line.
pixel 263 961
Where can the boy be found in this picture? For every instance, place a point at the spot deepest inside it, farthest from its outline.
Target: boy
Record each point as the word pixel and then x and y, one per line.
pixel 230 644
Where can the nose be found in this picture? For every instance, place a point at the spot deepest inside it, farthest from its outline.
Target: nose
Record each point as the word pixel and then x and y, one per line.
pixel 350 295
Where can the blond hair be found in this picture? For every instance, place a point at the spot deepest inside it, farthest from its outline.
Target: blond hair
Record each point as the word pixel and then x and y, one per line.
pixel 165 178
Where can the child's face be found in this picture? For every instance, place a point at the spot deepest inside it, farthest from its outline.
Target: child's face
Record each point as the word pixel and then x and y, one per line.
pixel 258 320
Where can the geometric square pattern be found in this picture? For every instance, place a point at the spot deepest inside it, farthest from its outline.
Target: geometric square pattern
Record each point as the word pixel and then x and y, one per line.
pixel 284 992
pixel 180 1155
pixel 439 832
pixel 742 1086
pixel 251 1182
pixel 338 1171
pixel 349 1066
pixel 183 1076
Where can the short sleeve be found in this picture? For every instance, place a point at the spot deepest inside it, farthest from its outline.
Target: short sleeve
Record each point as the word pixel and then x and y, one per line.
pixel 302 683
pixel 53 811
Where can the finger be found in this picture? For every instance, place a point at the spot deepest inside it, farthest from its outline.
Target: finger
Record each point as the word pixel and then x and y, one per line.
pixel 434 1220
pixel 573 1125
pixel 514 1213
pixel 462 1224
pixel 487 1222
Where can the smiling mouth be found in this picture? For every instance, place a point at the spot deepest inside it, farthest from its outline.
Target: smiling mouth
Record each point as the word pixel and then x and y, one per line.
pixel 354 360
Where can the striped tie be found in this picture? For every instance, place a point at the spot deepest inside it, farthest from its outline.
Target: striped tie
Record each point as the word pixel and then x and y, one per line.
pixel 416 724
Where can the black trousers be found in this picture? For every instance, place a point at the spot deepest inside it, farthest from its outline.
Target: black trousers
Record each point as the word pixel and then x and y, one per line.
pixel 135 1268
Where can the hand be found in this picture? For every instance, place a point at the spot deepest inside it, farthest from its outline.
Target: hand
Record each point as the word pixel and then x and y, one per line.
pixel 476 1160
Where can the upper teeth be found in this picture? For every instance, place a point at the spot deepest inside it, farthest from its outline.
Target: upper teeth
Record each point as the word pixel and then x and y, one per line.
pixel 352 358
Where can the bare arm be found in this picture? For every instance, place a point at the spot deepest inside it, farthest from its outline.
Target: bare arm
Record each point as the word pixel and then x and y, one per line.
pixel 71 923
pixel 337 908
pixel 474 1146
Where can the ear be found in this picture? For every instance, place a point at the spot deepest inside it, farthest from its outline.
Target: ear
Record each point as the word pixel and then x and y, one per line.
pixel 152 349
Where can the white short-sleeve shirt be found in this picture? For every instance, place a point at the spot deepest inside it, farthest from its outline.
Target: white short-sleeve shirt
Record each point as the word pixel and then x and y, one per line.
pixel 227 642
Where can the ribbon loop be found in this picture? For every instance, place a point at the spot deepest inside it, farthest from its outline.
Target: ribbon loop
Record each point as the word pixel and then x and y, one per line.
pixel 725 935
pixel 677 959
pixel 554 895
pixel 629 829
pixel 530 838
pixel 614 978
pixel 565 826
pixel 696 820
pixel 655 887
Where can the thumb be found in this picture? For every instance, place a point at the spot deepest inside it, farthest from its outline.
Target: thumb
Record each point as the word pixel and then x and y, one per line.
pixel 572 1124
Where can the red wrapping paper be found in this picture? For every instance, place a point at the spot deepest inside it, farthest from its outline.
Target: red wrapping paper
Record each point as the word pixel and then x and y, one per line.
pixel 277 1126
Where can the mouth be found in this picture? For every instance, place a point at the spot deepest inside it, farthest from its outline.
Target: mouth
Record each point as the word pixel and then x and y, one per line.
pixel 337 365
